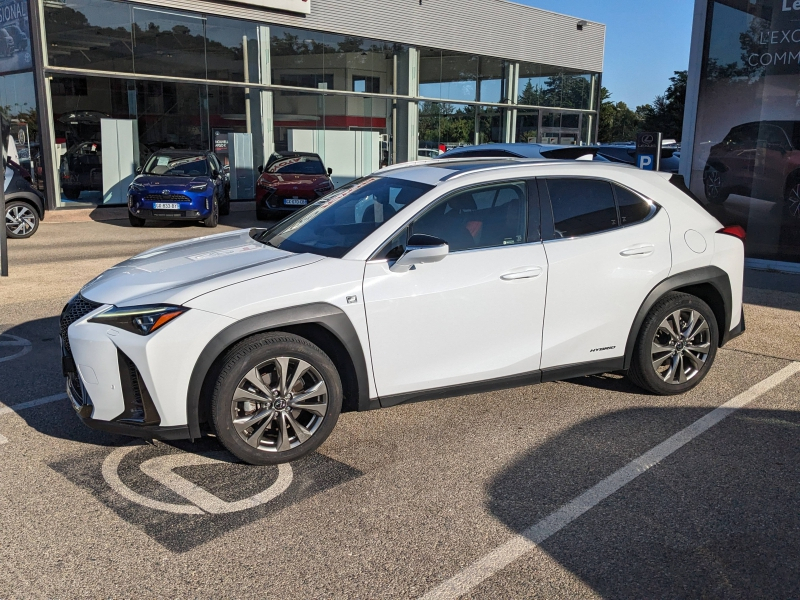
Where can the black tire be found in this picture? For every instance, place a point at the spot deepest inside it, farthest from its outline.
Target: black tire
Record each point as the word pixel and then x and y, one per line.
pixel 225 207
pixel 135 221
pixel 71 193
pixel 257 352
pixel 713 188
pixel 643 371
pixel 213 219
pixel 22 220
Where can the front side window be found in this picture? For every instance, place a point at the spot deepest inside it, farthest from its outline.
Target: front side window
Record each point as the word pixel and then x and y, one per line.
pixel 482 217
pixel 338 222
pixel 581 206
pixel 177 166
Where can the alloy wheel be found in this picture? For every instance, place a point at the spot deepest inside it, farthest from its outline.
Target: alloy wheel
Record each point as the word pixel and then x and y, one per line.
pixel 20 220
pixel 280 404
pixel 680 346
pixel 793 201
pixel 713 183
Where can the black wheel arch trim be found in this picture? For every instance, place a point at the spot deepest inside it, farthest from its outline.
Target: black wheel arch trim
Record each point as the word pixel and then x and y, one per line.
pixel 712 275
pixel 28 198
pixel 330 317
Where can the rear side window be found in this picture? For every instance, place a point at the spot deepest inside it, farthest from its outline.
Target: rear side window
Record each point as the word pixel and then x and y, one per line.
pixel 632 208
pixel 581 206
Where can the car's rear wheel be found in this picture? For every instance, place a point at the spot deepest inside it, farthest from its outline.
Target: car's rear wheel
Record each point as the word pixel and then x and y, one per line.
pixel 135 221
pixel 791 202
pixel 22 220
pixel 676 345
pixel 714 190
pixel 277 398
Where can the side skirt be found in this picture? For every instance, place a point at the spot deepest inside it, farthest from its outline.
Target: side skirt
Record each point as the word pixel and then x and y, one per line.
pixel 503 383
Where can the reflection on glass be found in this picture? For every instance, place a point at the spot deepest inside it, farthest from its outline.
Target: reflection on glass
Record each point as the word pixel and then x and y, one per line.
pixel 444 125
pixel 89 34
pixel 169 43
pixel 326 61
pixel 746 157
pixel 541 85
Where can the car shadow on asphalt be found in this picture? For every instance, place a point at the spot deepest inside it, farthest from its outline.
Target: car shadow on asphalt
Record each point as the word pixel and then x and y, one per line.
pixel 718 518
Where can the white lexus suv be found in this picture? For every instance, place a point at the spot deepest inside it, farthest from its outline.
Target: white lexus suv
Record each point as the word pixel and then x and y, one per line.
pixel 423 280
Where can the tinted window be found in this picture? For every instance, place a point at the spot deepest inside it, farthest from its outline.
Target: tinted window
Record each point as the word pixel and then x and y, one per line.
pixel 478 218
pixel 632 208
pixel 581 206
pixel 178 166
pixel 305 165
pixel 337 223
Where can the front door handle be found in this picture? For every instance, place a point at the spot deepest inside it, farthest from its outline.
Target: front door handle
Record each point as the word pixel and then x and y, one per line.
pixel 524 274
pixel 640 250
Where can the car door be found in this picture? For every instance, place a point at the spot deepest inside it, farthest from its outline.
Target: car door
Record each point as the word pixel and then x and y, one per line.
pixel 769 173
pixel 606 247
pixel 475 315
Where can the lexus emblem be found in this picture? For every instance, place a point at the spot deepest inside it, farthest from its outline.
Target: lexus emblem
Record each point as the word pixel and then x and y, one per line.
pixel 647 140
pixel 165 192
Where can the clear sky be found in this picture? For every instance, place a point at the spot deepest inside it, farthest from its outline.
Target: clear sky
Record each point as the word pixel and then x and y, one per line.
pixel 646 41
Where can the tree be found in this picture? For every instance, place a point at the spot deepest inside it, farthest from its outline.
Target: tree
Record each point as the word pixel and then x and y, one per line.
pixel 666 113
pixel 618 123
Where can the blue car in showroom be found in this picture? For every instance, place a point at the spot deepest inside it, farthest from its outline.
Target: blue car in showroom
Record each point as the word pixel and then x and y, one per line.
pixel 179 185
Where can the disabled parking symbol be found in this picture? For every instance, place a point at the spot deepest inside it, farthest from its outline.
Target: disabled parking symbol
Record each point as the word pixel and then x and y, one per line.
pixel 162 469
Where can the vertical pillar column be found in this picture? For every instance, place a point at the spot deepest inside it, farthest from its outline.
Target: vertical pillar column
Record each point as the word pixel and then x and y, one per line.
pixel 407 111
pixel 264 136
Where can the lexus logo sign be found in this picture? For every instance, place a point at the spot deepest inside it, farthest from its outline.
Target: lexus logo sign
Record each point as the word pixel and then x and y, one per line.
pixel 647 139
pixel 295 6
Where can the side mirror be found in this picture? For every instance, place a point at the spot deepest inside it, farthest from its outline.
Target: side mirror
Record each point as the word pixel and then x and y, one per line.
pixel 421 249
pixel 330 171
pixel 260 169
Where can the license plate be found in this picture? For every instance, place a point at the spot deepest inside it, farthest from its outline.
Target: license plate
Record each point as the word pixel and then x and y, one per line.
pixel 295 201
pixel 166 205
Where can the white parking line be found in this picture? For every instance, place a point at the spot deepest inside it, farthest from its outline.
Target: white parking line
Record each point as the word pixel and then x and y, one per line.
pixel 504 555
pixel 4 409
pixel 3 439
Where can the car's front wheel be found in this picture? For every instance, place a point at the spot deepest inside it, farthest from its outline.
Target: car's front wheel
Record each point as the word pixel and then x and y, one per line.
pixel 22 220
pixel 213 219
pixel 135 221
pixel 791 201
pixel 676 345
pixel 277 398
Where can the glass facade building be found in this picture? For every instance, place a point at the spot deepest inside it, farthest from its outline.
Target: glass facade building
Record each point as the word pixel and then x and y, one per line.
pixel 741 150
pixel 118 73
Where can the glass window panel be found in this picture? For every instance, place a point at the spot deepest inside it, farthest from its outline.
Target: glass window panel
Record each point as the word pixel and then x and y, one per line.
pixel 492 77
pixel 746 146
pixel 226 42
pixel 169 43
pixel 310 59
pixel 632 208
pixel 18 105
pixel 482 217
pixel 542 85
pixel 449 75
pixel 89 34
pixel 581 206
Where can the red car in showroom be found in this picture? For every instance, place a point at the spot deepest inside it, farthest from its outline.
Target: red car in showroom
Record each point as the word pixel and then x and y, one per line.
pixel 291 180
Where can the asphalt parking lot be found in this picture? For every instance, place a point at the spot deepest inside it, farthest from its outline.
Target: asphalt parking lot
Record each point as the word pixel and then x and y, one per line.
pixel 584 488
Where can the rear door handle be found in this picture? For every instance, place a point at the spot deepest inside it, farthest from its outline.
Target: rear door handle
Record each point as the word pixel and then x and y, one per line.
pixel 525 274
pixel 641 250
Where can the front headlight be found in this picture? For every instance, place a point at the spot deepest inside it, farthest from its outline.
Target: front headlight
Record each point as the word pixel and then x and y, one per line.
pixel 142 320
pixel 136 188
pixel 198 187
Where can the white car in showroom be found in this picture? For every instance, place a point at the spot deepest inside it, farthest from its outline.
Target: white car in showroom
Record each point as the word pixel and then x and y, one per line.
pixel 421 281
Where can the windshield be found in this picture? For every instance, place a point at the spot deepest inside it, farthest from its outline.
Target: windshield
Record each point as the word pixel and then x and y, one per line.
pixel 301 165
pixel 177 166
pixel 338 222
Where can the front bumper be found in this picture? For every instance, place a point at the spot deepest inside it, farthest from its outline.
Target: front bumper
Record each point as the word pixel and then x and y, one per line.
pixel 171 215
pixel 192 206
pixel 126 383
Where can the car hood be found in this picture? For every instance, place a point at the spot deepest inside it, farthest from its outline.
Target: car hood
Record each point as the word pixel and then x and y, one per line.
pixel 177 273
pixel 157 182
